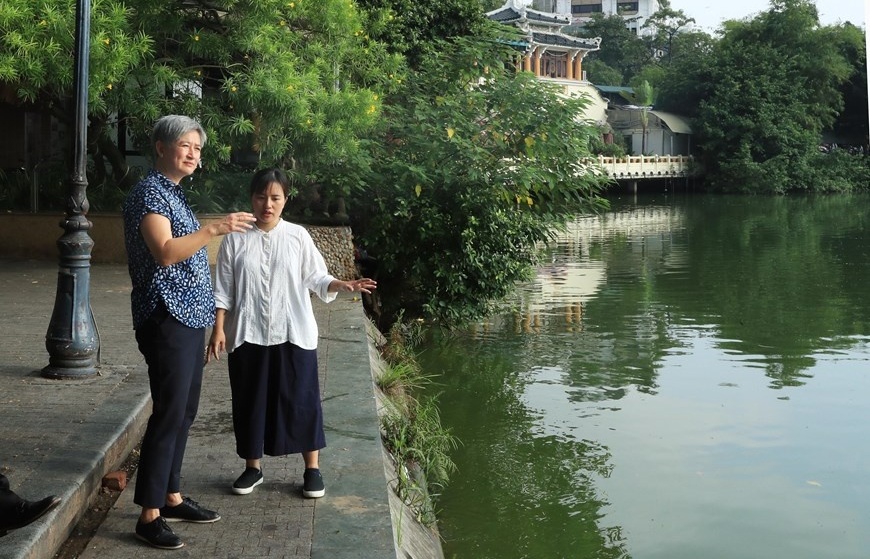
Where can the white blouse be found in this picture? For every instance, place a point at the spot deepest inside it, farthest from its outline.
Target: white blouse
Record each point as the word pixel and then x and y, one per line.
pixel 263 279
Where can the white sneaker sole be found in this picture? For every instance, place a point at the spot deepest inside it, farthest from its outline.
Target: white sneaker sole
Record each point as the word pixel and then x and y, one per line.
pixel 313 494
pixel 246 490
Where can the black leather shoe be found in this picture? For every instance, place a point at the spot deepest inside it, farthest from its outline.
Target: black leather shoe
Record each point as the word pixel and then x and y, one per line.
pixel 158 534
pixel 28 511
pixel 189 511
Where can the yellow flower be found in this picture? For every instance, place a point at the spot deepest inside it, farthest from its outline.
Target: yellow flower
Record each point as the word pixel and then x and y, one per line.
pixel 291 5
pixel 371 109
pixel 109 86
pixel 43 23
pixel 282 23
pixel 290 87
pixel 234 89
pixel 106 41
pixel 196 37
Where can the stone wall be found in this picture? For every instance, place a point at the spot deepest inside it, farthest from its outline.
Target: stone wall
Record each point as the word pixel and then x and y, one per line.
pixel 336 245
pixel 34 237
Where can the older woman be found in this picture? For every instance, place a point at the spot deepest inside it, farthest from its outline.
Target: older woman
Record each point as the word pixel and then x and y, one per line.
pixel 173 303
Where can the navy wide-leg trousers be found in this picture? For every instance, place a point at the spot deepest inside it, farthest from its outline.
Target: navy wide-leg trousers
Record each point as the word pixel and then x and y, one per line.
pixel 276 400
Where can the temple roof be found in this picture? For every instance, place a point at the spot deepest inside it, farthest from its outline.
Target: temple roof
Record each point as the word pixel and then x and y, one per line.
pixel 560 40
pixel 542 28
pixel 505 14
pixel 513 14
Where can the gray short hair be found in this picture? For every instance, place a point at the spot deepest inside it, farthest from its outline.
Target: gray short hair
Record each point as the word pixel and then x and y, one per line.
pixel 171 127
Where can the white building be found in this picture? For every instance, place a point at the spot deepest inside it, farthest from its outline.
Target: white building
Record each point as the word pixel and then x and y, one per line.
pixel 557 58
pixel 635 13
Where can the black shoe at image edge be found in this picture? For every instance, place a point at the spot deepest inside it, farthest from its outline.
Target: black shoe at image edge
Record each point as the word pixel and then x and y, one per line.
pixel 30 511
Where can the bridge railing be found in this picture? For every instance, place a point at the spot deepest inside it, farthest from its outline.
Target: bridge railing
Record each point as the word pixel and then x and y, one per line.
pixel 645 166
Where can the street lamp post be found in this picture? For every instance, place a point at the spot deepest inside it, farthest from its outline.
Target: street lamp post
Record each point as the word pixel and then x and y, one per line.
pixel 72 341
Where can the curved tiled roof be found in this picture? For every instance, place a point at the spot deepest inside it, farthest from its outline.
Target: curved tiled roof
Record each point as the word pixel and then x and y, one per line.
pixel 559 40
pixel 505 15
pixel 509 14
pixel 533 15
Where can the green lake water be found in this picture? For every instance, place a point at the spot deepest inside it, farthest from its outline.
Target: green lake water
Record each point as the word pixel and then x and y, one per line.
pixel 687 377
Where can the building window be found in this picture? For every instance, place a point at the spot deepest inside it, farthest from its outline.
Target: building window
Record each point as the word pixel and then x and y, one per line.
pixel 627 8
pixel 554 65
pixel 591 9
pixel 548 6
pixel 585 6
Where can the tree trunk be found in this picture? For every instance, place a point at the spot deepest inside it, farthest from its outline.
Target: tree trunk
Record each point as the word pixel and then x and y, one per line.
pixel 120 169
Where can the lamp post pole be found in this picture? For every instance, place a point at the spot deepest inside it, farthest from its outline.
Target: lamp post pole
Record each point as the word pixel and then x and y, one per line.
pixel 72 341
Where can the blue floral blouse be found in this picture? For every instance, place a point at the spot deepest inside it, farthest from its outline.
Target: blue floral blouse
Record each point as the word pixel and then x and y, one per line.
pixel 185 287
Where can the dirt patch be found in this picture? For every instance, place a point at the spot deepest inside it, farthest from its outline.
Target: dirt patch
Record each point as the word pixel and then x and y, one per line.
pixel 95 514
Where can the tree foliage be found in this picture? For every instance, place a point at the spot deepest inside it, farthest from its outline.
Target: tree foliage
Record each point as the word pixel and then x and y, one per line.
pixel 773 86
pixel 681 80
pixel 621 50
pixel 414 28
pixel 852 122
pixel 476 164
pixel 600 73
pixel 665 27
pixel 289 82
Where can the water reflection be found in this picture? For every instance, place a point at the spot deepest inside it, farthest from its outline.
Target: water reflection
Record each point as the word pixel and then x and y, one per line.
pixel 680 380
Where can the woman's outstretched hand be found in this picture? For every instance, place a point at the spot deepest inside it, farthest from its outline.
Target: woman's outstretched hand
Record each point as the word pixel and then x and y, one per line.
pixel 364 285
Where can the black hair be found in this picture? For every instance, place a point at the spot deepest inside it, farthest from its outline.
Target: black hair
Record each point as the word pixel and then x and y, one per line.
pixel 264 177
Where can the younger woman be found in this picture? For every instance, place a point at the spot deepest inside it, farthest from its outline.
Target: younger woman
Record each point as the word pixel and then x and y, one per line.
pixel 266 323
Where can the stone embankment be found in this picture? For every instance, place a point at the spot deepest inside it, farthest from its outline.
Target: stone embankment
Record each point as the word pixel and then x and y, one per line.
pixel 34 237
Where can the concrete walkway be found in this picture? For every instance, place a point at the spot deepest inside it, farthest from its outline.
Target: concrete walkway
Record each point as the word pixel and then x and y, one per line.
pixel 61 436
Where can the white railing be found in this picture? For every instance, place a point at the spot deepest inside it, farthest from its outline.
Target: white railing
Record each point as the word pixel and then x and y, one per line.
pixel 645 166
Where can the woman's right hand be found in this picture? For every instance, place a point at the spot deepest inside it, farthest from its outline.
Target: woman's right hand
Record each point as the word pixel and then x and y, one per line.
pixel 234 223
pixel 216 345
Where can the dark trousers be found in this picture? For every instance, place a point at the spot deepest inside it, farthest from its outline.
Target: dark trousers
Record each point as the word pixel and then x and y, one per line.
pixel 276 400
pixel 174 354
pixel 8 503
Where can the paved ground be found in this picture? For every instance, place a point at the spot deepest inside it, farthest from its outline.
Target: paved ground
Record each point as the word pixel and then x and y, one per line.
pixel 61 436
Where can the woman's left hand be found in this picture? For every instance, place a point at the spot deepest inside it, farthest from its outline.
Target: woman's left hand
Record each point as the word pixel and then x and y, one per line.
pixel 364 285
